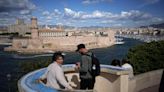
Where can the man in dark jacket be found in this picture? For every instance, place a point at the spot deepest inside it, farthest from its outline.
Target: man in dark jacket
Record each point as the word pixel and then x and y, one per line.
pixel 87 80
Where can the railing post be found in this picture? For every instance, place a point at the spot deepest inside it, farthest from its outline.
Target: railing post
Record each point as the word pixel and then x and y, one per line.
pixel 124 83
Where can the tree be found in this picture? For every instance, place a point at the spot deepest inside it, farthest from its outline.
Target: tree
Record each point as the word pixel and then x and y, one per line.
pixel 147 57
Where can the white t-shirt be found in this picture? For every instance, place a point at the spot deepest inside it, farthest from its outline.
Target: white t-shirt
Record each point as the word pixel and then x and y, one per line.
pixel 55 75
pixel 130 68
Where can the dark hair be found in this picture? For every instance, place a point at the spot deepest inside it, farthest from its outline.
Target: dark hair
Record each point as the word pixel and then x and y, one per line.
pixel 56 55
pixel 125 61
pixel 80 46
pixel 116 62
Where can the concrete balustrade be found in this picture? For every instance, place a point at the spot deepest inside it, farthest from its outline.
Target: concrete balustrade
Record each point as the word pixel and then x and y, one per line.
pixel 111 79
pixel 145 80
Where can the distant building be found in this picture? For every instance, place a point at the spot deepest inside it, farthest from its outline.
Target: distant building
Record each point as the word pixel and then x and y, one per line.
pixel 3 30
pixel 141 31
pixel 19 27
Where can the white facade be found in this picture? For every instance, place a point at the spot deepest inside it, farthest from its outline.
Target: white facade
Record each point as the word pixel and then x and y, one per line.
pixel 52 34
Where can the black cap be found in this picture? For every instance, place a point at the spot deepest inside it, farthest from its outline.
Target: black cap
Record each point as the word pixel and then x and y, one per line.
pixel 80 46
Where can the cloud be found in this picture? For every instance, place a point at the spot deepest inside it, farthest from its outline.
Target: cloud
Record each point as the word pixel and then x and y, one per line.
pixel 56 12
pixel 89 1
pixel 73 17
pixel 12 9
pixel 95 14
pixel 69 13
pixel 151 1
pixel 94 1
pixel 100 15
pixel 72 14
pixel 156 20
pixel 106 21
pixel 16 5
pixel 148 2
pixel 104 17
pixel 6 21
pixel 51 16
pixel 24 12
pixel 45 13
pixel 134 15
pixel 117 25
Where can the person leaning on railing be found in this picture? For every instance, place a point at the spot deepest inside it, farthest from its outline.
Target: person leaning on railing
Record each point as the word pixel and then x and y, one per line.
pixel 126 64
pixel 55 74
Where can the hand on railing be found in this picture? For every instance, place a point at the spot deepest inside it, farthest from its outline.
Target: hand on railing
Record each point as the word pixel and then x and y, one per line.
pixel 77 66
pixel 41 80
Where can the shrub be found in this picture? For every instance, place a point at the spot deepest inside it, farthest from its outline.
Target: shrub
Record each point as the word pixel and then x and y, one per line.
pixel 147 57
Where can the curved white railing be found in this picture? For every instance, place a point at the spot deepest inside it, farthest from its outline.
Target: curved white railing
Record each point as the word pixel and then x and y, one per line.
pixel 28 82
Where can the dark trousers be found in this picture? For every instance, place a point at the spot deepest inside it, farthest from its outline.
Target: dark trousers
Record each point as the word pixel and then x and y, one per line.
pixel 161 88
pixel 87 83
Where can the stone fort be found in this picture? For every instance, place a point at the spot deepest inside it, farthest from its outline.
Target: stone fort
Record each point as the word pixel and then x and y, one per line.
pixel 45 40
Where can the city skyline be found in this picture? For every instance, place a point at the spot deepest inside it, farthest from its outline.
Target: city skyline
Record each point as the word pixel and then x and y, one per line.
pixel 107 13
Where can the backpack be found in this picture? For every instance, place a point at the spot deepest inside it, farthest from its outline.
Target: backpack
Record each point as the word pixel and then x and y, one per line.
pixel 95 66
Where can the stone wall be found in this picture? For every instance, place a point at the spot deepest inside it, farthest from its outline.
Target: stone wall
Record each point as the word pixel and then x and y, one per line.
pixel 145 80
pixel 66 43
pixel 25 45
pixel 70 43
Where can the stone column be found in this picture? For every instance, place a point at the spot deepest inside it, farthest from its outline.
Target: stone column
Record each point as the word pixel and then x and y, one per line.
pixel 124 83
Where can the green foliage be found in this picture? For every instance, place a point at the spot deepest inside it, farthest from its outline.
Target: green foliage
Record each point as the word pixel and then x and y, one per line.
pixel 37 63
pixel 147 57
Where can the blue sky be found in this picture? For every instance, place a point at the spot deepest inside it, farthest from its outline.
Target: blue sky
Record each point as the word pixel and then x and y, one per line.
pixel 108 13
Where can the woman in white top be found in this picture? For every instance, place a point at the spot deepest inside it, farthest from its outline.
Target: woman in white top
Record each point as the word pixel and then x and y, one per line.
pixel 55 74
pixel 126 65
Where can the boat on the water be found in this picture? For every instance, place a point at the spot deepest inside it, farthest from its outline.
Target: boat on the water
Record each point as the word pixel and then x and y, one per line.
pixel 119 41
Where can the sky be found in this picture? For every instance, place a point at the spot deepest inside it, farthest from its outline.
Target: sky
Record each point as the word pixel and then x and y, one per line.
pixel 80 13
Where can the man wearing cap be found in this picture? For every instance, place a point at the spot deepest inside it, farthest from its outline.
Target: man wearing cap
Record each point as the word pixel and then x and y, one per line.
pixel 85 68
